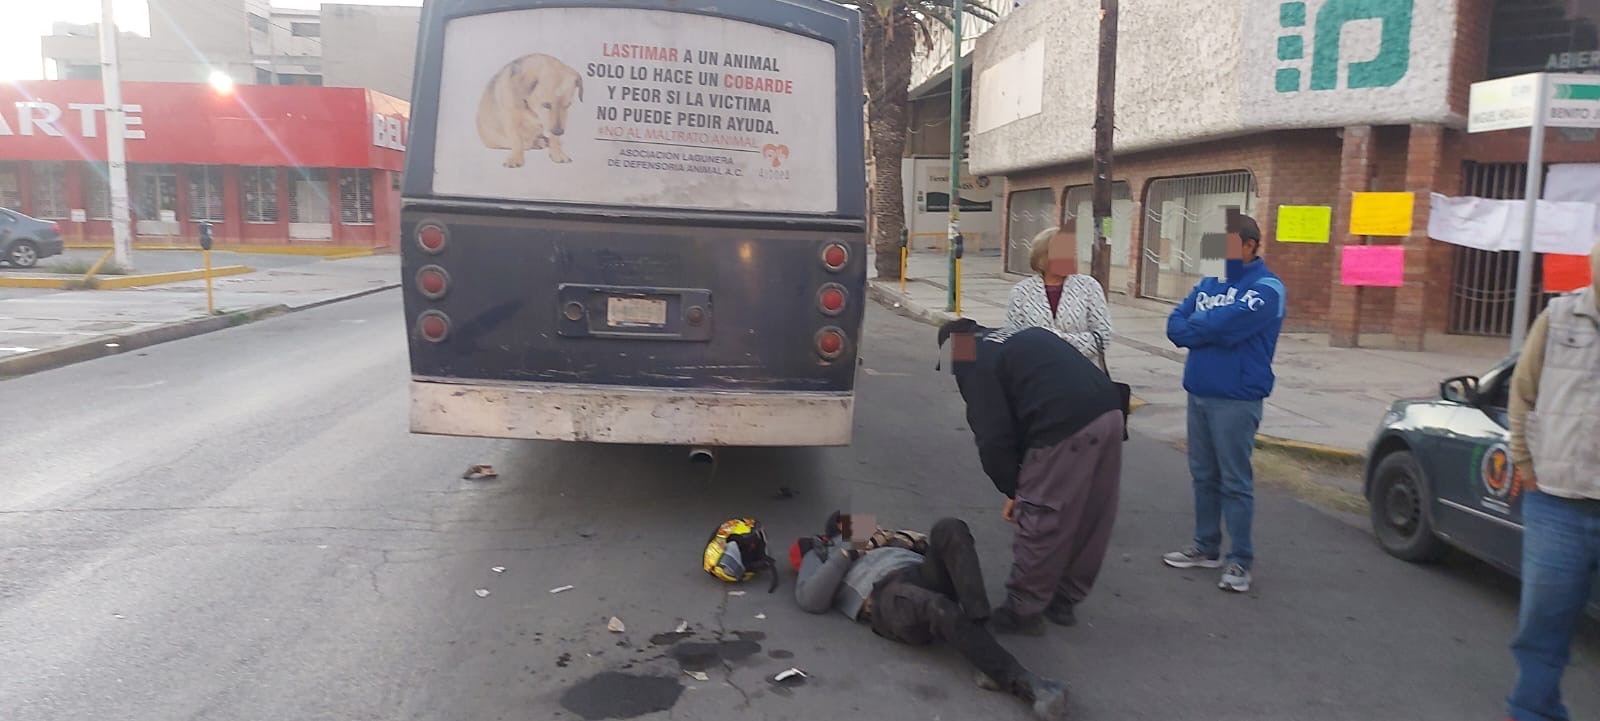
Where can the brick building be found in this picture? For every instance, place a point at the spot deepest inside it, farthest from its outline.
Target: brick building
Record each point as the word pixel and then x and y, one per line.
pixel 1264 103
pixel 265 165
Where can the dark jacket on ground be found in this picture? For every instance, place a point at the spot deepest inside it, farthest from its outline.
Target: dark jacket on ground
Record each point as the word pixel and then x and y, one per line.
pixel 1028 388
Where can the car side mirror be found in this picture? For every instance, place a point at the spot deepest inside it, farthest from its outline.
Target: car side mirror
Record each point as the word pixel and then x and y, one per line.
pixel 1460 389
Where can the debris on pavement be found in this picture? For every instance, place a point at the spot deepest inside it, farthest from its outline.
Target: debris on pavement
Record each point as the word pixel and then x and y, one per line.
pixel 615 625
pixel 561 589
pixel 482 592
pixel 791 673
pixel 761 617
pixel 697 675
pixel 586 533
pixel 785 493
pixel 499 569
pixel 736 593
pixel 479 471
pixel 682 626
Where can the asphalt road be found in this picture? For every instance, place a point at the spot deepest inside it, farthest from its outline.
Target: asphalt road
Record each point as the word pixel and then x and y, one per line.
pixel 239 526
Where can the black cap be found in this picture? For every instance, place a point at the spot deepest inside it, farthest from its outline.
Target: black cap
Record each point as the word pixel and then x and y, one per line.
pixel 1248 229
pixel 959 325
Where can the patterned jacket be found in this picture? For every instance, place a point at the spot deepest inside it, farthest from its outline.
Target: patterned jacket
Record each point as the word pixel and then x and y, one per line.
pixel 1081 313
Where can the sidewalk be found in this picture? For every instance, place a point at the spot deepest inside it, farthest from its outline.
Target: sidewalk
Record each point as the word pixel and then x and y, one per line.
pixel 1329 398
pixel 49 329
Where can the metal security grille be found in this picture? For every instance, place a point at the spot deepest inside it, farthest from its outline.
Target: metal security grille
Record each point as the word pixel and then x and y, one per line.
pixel 260 199
pixel 1185 233
pixel 1077 209
pixel 1032 212
pixel 10 187
pixel 205 192
pixel 1483 283
pixel 308 195
pixel 96 191
pixel 355 197
pixel 50 190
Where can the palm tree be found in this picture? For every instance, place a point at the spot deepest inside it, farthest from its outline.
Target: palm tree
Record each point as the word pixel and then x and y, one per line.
pixel 890 32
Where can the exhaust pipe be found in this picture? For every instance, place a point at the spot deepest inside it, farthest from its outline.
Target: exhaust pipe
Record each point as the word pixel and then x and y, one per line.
pixel 702 455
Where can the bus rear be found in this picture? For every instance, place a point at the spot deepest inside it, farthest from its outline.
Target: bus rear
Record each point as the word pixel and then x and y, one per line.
pixel 638 222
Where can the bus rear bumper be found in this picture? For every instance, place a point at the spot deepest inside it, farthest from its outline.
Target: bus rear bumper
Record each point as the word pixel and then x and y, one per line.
pixel 624 414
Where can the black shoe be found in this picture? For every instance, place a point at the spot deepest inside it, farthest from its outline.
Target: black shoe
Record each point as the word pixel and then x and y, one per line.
pixel 1006 620
pixel 1049 698
pixel 1059 612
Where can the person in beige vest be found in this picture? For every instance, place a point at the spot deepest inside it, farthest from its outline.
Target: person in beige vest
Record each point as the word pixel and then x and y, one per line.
pixel 1555 415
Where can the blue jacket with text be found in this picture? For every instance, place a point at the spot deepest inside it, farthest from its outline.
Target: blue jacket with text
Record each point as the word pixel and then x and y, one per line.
pixel 1231 330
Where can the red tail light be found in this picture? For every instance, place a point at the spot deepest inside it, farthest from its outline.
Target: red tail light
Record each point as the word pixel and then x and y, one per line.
pixel 55 228
pixel 432 237
pixel 433 282
pixel 433 326
pixel 831 299
pixel 830 343
pixel 834 256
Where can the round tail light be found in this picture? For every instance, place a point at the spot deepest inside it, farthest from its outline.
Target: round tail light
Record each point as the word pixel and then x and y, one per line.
pixel 433 326
pixel 831 299
pixel 432 238
pixel 830 343
pixel 433 282
pixel 834 256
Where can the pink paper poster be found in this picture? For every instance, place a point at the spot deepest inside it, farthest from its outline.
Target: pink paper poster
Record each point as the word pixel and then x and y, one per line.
pixel 1375 265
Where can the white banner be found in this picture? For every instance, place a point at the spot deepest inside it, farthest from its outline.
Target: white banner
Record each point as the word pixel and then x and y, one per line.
pixel 1573 181
pixel 1496 225
pixel 617 106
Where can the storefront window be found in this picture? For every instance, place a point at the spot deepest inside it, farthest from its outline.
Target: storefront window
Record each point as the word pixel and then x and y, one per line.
pixel 1185 229
pixel 308 196
pixel 1031 211
pixel 97 191
pixel 10 187
pixel 260 196
pixel 50 190
pixel 1078 208
pixel 355 197
pixel 205 193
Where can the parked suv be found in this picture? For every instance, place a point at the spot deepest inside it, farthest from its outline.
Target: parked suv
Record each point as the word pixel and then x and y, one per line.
pixel 24 240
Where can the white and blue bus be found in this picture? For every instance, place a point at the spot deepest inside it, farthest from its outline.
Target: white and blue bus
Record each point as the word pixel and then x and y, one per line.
pixel 636 222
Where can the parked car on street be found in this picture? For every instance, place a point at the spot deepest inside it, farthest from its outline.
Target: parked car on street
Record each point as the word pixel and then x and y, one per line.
pixel 24 239
pixel 1439 474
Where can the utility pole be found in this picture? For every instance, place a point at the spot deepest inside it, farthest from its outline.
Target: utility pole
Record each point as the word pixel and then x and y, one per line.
pixel 953 282
pixel 1523 301
pixel 116 151
pixel 1104 124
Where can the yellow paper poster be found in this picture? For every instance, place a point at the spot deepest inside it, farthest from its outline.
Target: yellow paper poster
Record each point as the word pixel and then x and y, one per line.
pixel 1385 214
pixel 1304 223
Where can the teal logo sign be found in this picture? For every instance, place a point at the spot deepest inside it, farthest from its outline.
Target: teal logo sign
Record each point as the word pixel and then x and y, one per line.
pixel 1384 69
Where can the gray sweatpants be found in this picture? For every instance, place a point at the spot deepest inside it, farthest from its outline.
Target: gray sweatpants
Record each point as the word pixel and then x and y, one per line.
pixel 1066 504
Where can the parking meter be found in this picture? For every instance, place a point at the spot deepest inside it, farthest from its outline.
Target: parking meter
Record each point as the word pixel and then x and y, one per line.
pixel 205 236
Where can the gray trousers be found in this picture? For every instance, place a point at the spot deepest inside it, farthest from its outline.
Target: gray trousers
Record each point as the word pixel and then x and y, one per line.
pixel 1066 504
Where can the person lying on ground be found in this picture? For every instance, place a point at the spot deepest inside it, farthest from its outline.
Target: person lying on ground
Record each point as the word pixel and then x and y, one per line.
pixel 918 598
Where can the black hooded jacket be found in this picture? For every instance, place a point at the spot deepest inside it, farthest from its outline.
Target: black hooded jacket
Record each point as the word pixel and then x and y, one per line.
pixel 1028 388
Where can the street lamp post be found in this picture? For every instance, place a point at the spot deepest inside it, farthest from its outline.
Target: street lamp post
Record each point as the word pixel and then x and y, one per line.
pixel 116 151
pixel 953 282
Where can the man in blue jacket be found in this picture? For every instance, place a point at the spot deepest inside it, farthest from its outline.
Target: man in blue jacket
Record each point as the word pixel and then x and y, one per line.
pixel 1230 327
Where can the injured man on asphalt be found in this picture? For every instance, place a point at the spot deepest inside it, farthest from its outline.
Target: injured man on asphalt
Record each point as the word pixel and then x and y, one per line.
pixel 916 590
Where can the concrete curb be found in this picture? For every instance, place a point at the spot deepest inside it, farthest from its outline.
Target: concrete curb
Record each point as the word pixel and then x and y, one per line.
pixel 889 296
pixel 108 345
pixel 1315 451
pixel 63 281
pixel 335 251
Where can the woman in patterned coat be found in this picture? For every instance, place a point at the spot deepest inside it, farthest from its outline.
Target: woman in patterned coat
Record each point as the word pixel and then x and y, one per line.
pixel 1073 305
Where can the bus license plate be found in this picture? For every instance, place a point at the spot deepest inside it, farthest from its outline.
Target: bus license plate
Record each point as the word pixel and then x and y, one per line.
pixel 635 312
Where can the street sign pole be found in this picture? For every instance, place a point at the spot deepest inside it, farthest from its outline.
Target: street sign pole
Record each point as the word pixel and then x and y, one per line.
pixel 1519 307
pixel 953 283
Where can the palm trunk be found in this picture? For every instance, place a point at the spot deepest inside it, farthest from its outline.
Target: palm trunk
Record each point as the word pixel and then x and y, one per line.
pixel 888 49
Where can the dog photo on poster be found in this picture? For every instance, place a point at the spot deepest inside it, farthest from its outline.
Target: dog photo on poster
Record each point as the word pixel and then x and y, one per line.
pixel 615 106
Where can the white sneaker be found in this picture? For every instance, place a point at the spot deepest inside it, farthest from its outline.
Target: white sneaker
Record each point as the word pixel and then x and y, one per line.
pixel 1235 579
pixel 1191 557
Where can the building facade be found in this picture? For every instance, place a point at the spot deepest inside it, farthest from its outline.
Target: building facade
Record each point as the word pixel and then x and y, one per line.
pixel 252 42
pixel 264 165
pixel 1266 103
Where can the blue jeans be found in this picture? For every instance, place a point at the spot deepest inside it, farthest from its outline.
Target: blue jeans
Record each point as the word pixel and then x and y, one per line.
pixel 1560 553
pixel 1222 435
